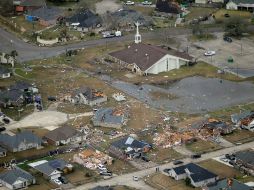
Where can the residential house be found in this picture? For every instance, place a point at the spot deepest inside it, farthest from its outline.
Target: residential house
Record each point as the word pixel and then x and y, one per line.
pixel 109 117
pixel 128 148
pixel 88 96
pixel 199 176
pixel 11 98
pixel 51 169
pixel 5 72
pixel 84 21
pixel 90 158
pixel 24 87
pixel 240 5
pixel 16 179
pixel 248 122
pixel 146 59
pixel 24 5
pixel 236 118
pixel 229 184
pixel 244 160
pixel 3 152
pixel 220 127
pixel 20 142
pixel 65 135
pixel 46 16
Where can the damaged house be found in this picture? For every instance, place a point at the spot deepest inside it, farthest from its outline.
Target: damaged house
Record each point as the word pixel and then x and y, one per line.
pixel 90 158
pixel 110 117
pixel 128 148
pixel 87 96
pixel 244 120
pixel 84 21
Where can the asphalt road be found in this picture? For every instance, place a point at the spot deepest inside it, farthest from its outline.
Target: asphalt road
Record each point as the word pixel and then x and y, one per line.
pixel 27 51
pixel 127 179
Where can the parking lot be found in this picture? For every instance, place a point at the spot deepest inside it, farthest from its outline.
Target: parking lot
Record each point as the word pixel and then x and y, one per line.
pixel 240 50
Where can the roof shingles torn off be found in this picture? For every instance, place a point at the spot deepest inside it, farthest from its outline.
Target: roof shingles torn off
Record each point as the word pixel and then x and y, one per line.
pixel 144 55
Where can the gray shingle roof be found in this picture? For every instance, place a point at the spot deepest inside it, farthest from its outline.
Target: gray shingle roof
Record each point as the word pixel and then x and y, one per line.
pixel 62 133
pixel 16 174
pixel 11 142
pixel 246 156
pixel 236 185
pixel 144 55
pixel 10 95
pixel 197 173
pixel 21 85
pixel 50 166
pixel 105 115
pixel 86 18
pixel 46 13
pixel 4 70
pixel 129 142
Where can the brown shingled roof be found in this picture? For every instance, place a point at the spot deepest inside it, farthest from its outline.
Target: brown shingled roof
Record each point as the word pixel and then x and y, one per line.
pixel 62 133
pixel 144 55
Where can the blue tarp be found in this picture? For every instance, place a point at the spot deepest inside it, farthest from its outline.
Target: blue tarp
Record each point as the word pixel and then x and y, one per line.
pixel 30 18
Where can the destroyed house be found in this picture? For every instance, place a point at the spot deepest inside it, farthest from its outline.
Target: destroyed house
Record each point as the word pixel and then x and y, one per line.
pixel 88 96
pixel 248 122
pixel 222 127
pixel 199 176
pixel 229 184
pixel 237 117
pixel 129 148
pixel 109 117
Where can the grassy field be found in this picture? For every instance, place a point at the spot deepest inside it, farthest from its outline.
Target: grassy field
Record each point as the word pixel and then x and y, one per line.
pixel 219 15
pixel 120 167
pixel 240 136
pixel 224 171
pixel 196 12
pixel 201 146
pixel 162 182
pixel 162 155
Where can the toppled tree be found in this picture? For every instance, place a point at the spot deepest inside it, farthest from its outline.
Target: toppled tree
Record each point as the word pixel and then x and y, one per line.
pixel 235 27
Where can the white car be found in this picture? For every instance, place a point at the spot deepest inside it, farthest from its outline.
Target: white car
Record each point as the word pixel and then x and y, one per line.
pixel 57 181
pixel 209 53
pixel 129 3
pixel 101 167
pixel 146 3
pixel 135 178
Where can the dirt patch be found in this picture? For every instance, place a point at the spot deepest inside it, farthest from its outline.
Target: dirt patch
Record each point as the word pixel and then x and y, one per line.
pixel 107 6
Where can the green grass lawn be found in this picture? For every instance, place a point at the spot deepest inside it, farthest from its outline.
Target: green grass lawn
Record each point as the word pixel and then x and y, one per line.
pixel 196 12
pixel 162 155
pixel 224 171
pixel 240 136
pixel 201 146
pixel 219 15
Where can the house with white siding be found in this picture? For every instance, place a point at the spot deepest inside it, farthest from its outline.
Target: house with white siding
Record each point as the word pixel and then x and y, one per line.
pixel 240 5
pixel 199 176
pixel 16 179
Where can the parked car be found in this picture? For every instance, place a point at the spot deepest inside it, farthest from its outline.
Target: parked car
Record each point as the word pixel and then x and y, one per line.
pixel 135 178
pixel 101 166
pixel 107 173
pixel 177 162
pixel 57 181
pixel 147 3
pixel 195 156
pixel 63 180
pixel 209 53
pixel 231 162
pixel 52 98
pixel 129 3
pixel 227 39
pixel 6 120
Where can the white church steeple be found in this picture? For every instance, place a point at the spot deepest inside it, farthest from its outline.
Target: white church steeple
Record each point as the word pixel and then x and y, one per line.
pixel 137 36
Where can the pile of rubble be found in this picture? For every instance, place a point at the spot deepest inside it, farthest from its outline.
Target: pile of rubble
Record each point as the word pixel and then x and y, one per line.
pixel 170 138
pixel 92 158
